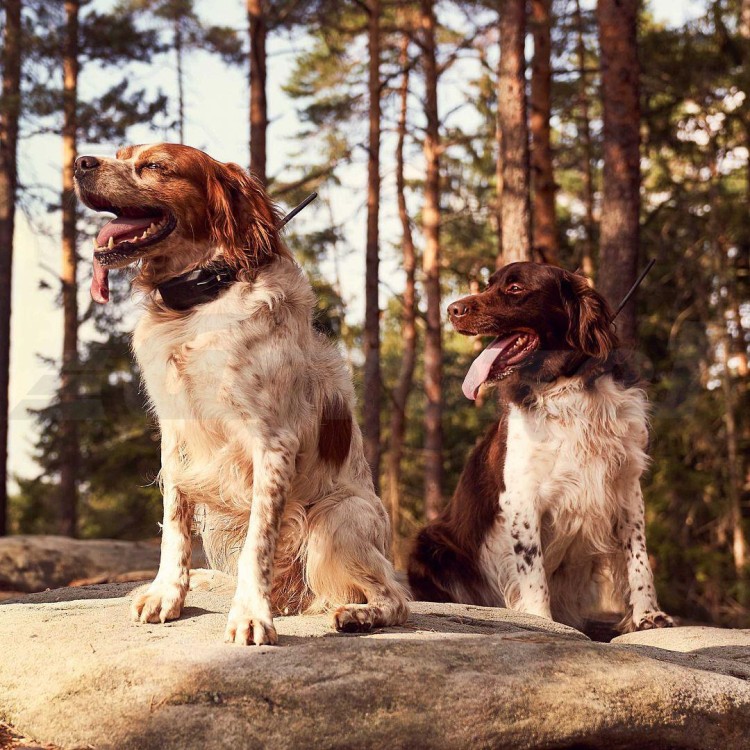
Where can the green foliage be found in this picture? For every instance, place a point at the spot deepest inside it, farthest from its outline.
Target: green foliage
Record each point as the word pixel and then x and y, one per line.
pixel 106 41
pixel 309 250
pixel 119 449
pixel 180 18
pixel 695 225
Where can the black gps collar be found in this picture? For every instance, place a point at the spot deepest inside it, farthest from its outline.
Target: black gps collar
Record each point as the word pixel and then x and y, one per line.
pixel 197 287
pixel 203 285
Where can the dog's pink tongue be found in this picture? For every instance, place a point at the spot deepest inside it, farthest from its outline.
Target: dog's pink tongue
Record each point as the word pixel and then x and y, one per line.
pixel 481 366
pixel 100 283
pixel 124 227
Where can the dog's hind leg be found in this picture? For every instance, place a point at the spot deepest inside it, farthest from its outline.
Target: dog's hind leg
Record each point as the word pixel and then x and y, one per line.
pixel 346 564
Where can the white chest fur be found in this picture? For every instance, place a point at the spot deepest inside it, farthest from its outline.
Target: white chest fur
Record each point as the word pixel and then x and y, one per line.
pixel 189 367
pixel 183 357
pixel 195 365
pixel 569 457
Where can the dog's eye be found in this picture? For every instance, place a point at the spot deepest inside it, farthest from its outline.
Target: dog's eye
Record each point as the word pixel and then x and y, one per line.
pixel 150 166
pixel 514 289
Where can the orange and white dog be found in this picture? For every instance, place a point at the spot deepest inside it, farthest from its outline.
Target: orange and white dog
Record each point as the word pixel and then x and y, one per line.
pixel 254 407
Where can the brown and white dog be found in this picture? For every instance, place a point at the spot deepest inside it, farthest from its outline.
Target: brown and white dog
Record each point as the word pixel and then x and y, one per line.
pixel 548 514
pixel 254 406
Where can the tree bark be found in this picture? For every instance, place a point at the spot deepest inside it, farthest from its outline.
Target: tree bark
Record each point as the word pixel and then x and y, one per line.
pixel 499 188
pixel 511 96
pixel 734 458
pixel 408 319
pixel 739 541
pixel 584 129
pixel 10 111
pixel 726 303
pixel 433 350
pixel 619 245
pixel 178 48
pixel 69 448
pixel 372 386
pixel 258 104
pixel 546 245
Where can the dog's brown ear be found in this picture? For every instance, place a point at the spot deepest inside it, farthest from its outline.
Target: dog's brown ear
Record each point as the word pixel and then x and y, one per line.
pixel 590 330
pixel 243 220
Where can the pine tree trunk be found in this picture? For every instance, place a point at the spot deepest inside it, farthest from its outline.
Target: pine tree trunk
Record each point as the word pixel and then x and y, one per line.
pixel 739 540
pixel 180 80
pixel 545 225
pixel 618 253
pixel 408 320
pixel 258 105
pixel 69 448
pixel 584 129
pixel 499 189
pixel 9 114
pixel 734 459
pixel 433 350
pixel 371 427
pixel 515 209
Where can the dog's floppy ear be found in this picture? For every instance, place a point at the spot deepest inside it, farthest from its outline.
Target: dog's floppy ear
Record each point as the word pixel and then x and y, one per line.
pixel 590 330
pixel 243 220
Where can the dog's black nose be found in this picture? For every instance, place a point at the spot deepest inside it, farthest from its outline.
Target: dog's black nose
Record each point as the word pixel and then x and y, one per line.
pixel 85 163
pixel 458 309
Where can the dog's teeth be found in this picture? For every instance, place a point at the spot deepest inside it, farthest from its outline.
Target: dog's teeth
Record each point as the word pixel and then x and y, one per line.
pixel 93 242
pixel 144 235
pixel 152 228
pixel 111 243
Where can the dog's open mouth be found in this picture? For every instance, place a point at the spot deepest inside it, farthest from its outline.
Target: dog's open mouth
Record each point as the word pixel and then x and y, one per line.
pixel 133 230
pixel 125 238
pixel 499 359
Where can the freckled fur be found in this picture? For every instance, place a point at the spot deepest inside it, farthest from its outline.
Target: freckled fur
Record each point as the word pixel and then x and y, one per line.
pixel 583 451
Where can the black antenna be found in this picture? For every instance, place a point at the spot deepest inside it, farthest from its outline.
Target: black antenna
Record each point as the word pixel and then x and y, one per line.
pixel 310 198
pixel 635 286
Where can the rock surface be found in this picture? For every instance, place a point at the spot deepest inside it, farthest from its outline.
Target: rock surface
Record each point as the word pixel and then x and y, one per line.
pixel 80 674
pixel 694 638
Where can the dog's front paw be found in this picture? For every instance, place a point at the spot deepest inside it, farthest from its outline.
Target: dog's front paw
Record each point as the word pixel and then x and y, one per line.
pixel 651 620
pixel 357 618
pixel 244 628
pixel 158 603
